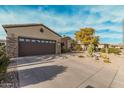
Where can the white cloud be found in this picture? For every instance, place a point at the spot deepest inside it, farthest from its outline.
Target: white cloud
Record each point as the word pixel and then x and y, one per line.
pixel 66 22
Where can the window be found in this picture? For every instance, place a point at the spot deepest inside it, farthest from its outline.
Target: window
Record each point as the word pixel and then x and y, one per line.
pixel 42 41
pixel 46 41
pixel 38 41
pixel 27 40
pixel 21 40
pixel 53 42
pixel 33 41
pixel 58 44
pixel 49 41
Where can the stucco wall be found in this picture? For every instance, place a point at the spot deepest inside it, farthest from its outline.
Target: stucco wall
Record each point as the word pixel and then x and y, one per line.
pixel 12 46
pixel 33 31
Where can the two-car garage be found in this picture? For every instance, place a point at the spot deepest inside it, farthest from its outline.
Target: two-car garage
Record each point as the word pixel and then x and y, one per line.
pixel 33 46
pixel 31 39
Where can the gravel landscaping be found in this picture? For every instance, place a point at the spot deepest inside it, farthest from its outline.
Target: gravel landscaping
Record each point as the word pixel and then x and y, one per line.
pixel 11 78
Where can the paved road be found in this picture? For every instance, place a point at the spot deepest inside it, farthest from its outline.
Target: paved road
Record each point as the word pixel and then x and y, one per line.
pixel 70 71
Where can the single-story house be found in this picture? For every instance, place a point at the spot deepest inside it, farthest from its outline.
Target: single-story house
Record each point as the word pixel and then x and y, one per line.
pixel 83 46
pixel 2 42
pixel 66 42
pixel 117 46
pixel 110 45
pixel 101 45
pixel 31 39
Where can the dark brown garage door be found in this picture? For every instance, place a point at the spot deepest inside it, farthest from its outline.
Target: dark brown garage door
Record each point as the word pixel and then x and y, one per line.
pixel 31 46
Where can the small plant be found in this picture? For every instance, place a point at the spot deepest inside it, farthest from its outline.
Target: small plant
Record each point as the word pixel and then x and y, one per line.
pixel 90 50
pixel 81 56
pixel 78 48
pixel 115 50
pixel 103 55
pixel 4 62
pixel 102 50
pixel 105 58
pixel 65 57
pixel 111 50
pixel 65 50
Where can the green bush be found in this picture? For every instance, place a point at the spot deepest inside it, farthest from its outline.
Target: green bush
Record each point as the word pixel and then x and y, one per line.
pixel 78 48
pixel 111 50
pixel 4 61
pixel 65 50
pixel 114 50
pixel 102 50
pixel 90 50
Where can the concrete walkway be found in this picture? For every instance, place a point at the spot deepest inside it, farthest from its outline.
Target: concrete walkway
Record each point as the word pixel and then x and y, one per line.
pixel 70 71
pixel 118 82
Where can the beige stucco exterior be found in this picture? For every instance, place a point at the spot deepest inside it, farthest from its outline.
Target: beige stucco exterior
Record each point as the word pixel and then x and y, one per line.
pixel 34 32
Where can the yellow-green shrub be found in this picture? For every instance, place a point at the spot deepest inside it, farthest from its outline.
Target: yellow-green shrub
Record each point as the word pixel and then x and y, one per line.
pixel 111 50
pixel 4 61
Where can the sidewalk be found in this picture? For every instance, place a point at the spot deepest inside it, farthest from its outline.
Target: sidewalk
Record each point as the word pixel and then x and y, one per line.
pixel 118 82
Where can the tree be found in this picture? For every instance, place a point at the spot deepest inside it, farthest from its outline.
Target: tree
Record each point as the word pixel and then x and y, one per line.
pixel 73 42
pixel 64 36
pixel 86 36
pixel 95 40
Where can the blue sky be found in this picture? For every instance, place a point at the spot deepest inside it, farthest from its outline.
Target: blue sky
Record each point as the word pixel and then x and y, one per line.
pixel 66 20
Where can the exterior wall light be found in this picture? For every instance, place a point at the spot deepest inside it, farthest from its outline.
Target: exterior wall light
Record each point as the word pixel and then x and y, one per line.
pixel 41 30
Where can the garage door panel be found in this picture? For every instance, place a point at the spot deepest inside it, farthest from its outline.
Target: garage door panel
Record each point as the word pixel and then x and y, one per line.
pixel 31 47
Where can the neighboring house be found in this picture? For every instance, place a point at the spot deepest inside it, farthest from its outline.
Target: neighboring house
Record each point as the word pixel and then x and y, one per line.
pixel 121 46
pixel 117 45
pixel 31 39
pixel 105 45
pixel 101 45
pixel 2 42
pixel 83 46
pixel 66 42
pixel 110 45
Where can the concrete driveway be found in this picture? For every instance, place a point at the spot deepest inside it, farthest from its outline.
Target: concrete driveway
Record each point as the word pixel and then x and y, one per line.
pixel 69 71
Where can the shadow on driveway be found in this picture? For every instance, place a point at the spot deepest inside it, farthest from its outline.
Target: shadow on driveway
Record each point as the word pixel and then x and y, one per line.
pixel 39 74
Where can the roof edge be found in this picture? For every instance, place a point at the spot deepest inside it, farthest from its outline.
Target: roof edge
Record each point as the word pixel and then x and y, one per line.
pixel 27 25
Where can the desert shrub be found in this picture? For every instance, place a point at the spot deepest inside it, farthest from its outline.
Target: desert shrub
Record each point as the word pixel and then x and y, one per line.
pixel 4 61
pixel 65 50
pixel 90 50
pixel 105 58
pixel 111 50
pixel 81 56
pixel 121 48
pixel 114 50
pixel 103 55
pixel 102 50
pixel 78 48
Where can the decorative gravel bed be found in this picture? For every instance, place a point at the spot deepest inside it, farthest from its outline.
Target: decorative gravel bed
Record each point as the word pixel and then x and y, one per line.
pixel 11 78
